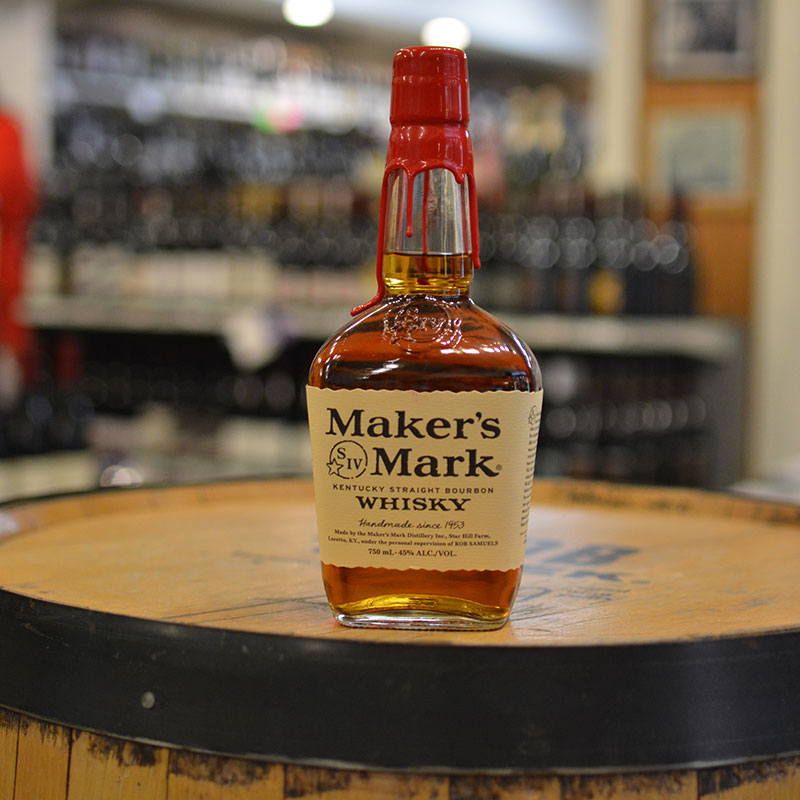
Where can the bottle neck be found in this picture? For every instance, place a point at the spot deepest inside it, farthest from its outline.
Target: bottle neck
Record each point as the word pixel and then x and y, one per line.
pixel 427 241
pixel 429 211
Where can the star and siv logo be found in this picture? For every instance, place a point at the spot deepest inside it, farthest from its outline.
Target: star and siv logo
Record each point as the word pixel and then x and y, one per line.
pixel 347 459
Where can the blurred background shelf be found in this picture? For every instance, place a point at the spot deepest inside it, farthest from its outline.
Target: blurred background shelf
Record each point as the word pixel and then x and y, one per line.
pixel 209 179
pixel 703 338
pixel 40 475
pixel 636 399
pixel 122 452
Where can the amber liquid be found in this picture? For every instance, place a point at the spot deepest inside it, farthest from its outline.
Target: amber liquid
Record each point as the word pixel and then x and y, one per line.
pixel 486 356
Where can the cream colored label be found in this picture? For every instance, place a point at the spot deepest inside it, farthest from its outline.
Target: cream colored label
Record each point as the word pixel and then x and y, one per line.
pixel 423 480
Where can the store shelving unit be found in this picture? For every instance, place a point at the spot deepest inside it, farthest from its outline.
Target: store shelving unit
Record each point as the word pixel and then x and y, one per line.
pixel 715 341
pixel 714 346
pixel 171 86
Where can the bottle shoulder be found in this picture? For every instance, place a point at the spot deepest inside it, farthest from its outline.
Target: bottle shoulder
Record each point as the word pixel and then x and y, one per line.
pixel 426 343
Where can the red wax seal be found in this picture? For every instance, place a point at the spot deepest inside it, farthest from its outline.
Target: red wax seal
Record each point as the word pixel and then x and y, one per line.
pixel 430 84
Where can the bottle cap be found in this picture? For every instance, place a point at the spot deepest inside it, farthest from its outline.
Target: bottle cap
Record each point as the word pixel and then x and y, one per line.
pixel 430 85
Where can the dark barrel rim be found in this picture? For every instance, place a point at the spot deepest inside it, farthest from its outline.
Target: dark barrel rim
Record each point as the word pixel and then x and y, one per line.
pixel 402 706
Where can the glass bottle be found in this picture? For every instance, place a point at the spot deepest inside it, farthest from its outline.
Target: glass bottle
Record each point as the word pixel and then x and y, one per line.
pixel 424 410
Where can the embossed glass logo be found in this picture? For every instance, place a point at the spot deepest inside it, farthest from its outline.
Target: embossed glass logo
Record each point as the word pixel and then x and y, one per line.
pixel 417 324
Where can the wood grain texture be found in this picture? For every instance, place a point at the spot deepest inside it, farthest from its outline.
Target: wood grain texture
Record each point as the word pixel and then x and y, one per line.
pixel 605 564
pixel 42 761
pixel 9 737
pixel 196 776
pixel 113 769
pixel 777 779
pixel 57 762
pixel 485 787
pixel 637 786
pixel 316 783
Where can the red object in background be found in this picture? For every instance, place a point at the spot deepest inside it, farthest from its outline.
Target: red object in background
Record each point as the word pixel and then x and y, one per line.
pixel 17 208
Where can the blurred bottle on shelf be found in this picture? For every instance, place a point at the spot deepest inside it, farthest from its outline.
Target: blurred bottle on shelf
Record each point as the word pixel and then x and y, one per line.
pixel 675 259
pixel 625 419
pixel 72 409
pixel 150 196
pixel 211 202
pixel 127 218
pixel 586 255
pixel 155 158
pixel 50 413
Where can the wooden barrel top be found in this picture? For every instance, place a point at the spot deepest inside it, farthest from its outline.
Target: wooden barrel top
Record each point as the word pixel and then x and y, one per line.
pixel 653 628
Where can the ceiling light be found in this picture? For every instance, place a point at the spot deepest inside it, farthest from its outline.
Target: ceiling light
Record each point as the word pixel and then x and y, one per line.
pixel 308 13
pixel 446 32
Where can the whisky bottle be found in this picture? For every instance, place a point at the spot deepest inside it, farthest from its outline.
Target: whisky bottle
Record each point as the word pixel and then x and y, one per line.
pixel 424 410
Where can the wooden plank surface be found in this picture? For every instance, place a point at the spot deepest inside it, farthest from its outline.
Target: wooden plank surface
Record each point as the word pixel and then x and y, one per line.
pixel 42 761
pixel 317 783
pixel 57 762
pixel 197 776
pixel 777 779
pixel 9 737
pixel 635 786
pixel 605 564
pixel 114 769
pixel 486 787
